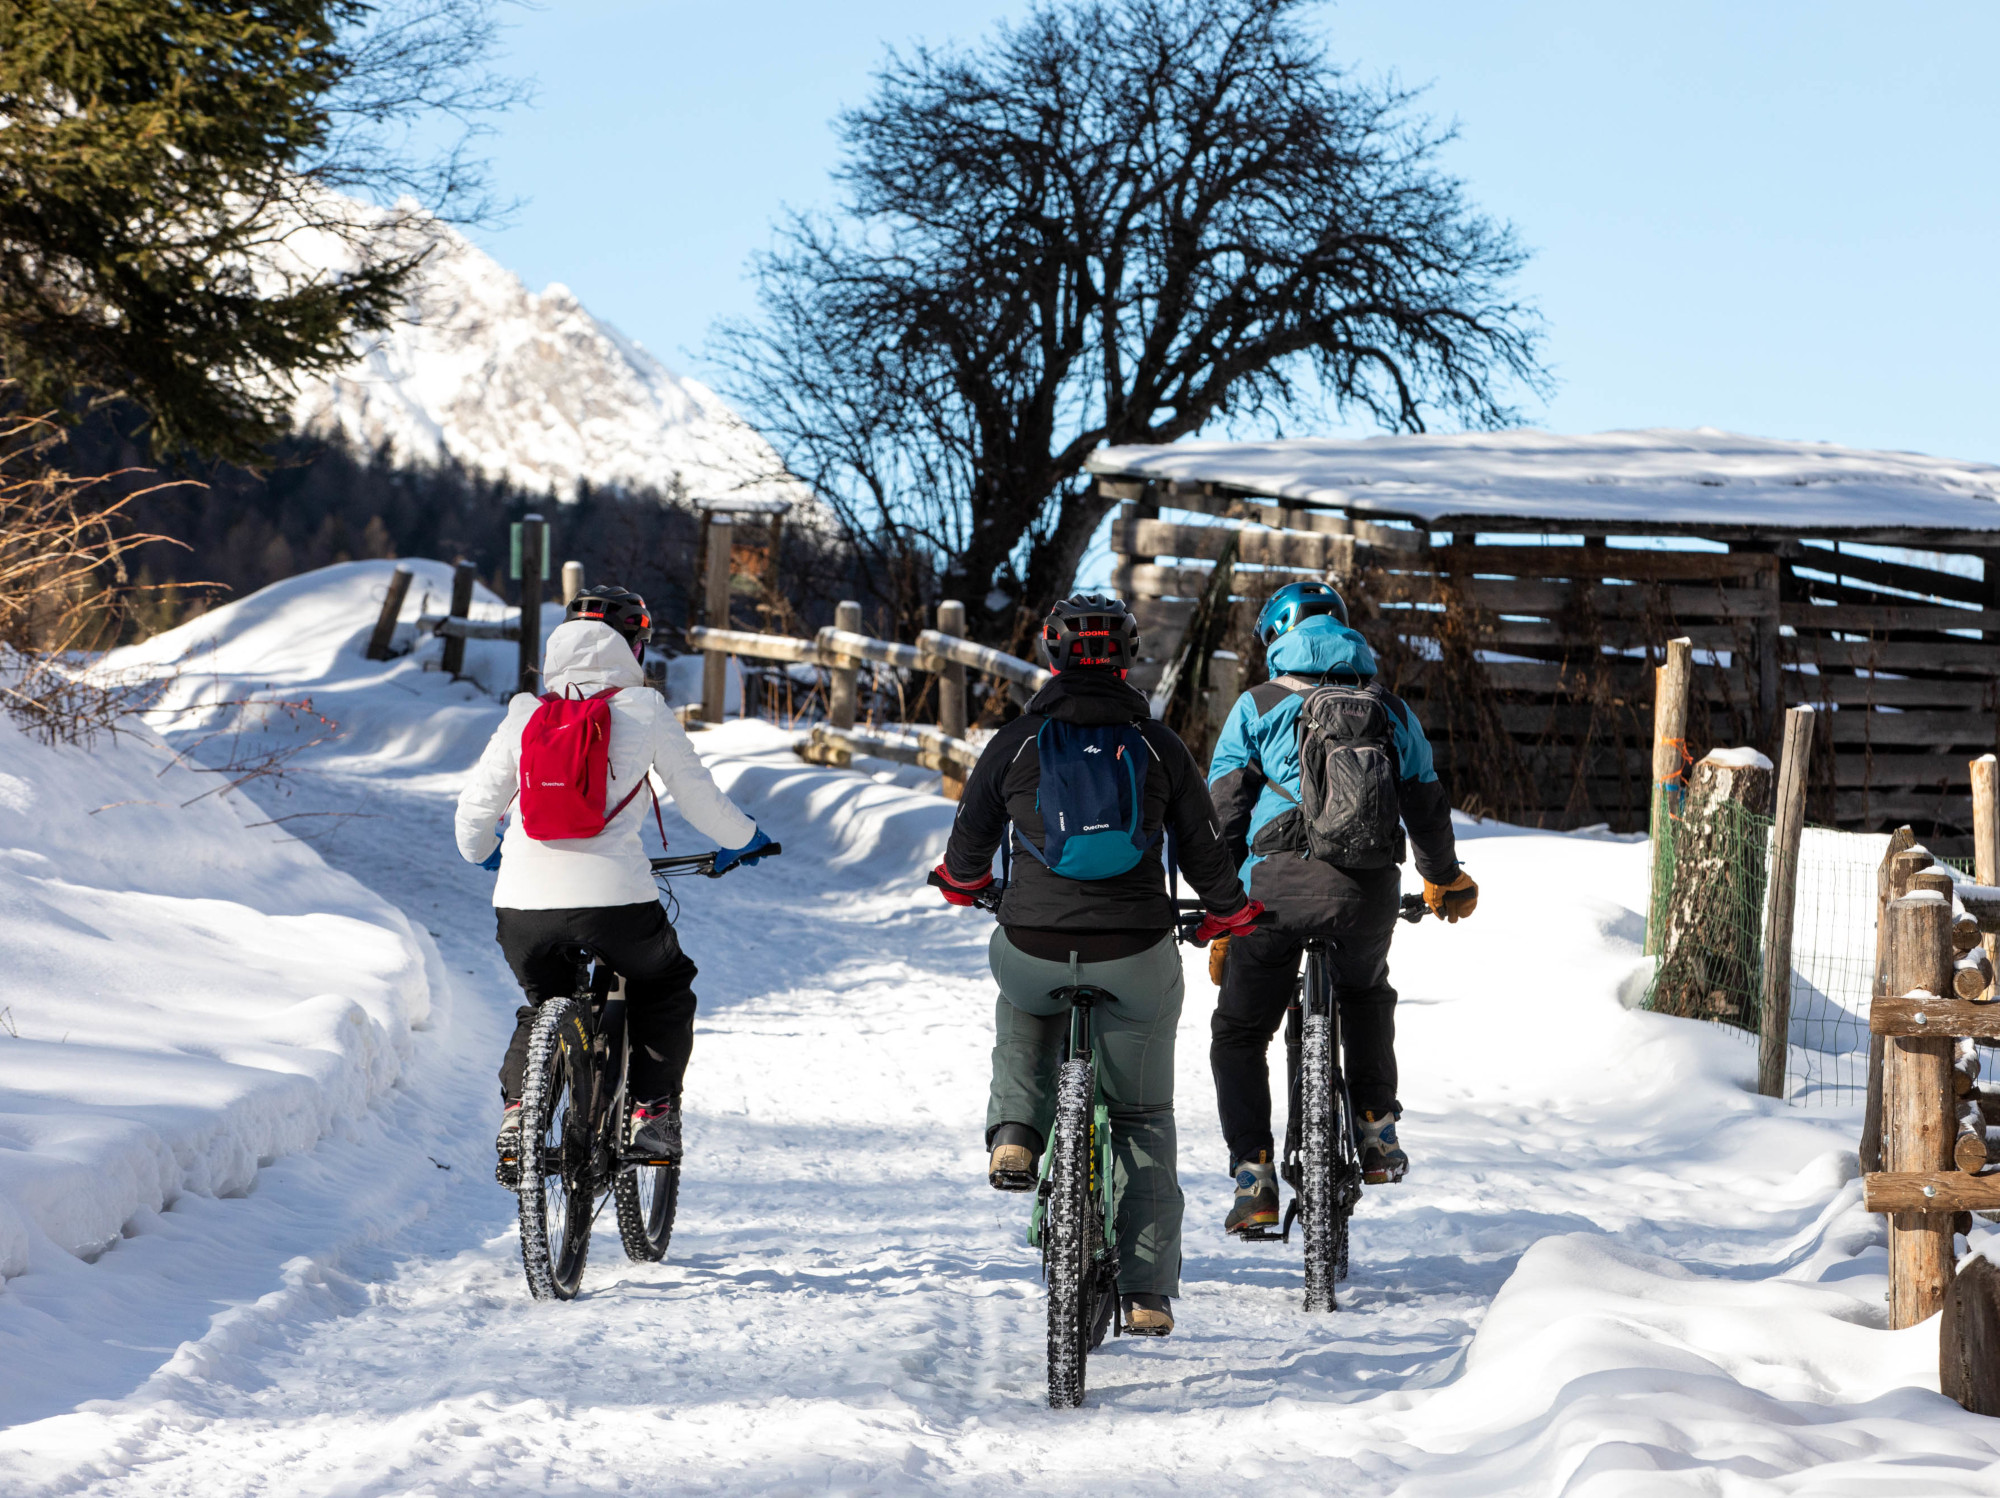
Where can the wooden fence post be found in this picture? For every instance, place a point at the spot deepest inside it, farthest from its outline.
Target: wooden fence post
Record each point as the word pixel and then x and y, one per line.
pixel 534 568
pixel 1986 832
pixel 572 582
pixel 841 694
pixel 1918 1130
pixel 1670 705
pixel 462 576
pixel 715 614
pixel 1775 1015
pixel 385 622
pixel 951 693
pixel 1892 882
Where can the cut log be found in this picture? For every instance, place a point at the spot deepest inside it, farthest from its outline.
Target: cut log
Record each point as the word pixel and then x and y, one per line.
pixel 1972 978
pixel 1969 1339
pixel 1965 934
pixel 1968 1150
pixel 1965 1069
pixel 1710 967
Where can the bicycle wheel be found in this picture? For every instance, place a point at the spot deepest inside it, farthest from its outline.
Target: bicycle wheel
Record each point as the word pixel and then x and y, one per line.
pixel 646 1196
pixel 1066 1237
pixel 1323 1203
pixel 556 1205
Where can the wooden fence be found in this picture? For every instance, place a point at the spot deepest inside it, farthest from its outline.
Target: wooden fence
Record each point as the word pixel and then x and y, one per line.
pixel 842 649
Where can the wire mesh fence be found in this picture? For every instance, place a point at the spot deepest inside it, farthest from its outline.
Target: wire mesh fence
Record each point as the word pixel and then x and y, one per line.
pixel 1710 883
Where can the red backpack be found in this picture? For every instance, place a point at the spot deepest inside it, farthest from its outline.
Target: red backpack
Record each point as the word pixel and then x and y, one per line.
pixel 566 767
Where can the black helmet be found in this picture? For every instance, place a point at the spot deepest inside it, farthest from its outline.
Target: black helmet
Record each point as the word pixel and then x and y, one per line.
pixel 1090 629
pixel 621 608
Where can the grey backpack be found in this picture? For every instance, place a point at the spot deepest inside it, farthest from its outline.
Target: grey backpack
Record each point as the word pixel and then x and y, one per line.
pixel 1347 775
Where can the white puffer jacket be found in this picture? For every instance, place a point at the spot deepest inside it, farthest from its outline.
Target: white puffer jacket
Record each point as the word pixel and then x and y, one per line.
pixel 609 869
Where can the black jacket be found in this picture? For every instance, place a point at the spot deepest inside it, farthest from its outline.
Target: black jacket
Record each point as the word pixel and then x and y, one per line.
pixel 1002 788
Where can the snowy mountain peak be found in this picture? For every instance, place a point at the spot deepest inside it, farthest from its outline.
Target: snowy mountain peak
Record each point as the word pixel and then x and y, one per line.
pixel 530 387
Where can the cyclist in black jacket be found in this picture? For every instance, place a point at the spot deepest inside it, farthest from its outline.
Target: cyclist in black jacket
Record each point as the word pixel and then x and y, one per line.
pixel 1115 933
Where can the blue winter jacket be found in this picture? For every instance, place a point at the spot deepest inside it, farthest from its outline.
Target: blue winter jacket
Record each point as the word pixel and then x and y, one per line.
pixel 1259 746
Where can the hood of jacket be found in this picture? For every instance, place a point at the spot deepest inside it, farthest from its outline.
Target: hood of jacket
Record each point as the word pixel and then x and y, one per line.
pixel 590 655
pixel 1320 645
pixel 1090 697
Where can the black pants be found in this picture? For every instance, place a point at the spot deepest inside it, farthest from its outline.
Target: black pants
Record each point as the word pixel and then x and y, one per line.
pixel 641 948
pixel 1258 982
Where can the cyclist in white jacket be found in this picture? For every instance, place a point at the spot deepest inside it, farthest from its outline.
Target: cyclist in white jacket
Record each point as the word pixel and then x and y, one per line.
pixel 599 892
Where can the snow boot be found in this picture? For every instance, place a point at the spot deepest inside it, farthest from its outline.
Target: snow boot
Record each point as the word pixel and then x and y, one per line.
pixel 656 1132
pixel 508 1143
pixel 1382 1159
pixel 1148 1315
pixel 1255 1211
pixel 1012 1167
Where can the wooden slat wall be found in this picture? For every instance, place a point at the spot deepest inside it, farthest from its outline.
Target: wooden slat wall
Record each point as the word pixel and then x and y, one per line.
pixel 1578 629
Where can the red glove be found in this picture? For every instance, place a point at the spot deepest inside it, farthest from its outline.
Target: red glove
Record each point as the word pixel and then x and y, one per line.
pixel 1236 923
pixel 955 891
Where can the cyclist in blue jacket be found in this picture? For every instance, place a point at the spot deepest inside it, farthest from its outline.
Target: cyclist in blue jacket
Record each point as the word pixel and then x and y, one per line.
pixel 1254 779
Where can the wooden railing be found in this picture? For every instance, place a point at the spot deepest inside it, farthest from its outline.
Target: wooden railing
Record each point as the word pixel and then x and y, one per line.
pixel 842 649
pixel 1925 1147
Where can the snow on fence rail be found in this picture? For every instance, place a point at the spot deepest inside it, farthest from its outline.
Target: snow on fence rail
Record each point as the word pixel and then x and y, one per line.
pixel 842 648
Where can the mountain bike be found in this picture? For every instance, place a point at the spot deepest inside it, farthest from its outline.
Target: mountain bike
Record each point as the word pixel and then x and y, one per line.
pixel 1075 1219
pixel 576 1122
pixel 1322 1156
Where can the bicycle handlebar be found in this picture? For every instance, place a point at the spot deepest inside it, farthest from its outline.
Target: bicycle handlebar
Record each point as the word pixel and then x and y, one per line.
pixel 1412 909
pixel 680 864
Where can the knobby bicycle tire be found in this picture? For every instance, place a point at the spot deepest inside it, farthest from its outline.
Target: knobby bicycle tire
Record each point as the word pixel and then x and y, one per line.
pixel 646 1197
pixel 1066 1237
pixel 556 1206
pixel 1319 1203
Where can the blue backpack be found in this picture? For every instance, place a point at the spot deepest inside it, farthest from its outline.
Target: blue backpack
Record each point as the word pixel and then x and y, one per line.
pixel 1092 799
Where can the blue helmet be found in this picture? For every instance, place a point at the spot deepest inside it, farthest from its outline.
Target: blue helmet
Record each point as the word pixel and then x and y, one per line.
pixel 1295 603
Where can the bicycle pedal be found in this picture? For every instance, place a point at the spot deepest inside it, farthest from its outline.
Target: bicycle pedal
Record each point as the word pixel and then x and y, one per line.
pixel 1257 1235
pixel 1011 1180
pixel 508 1174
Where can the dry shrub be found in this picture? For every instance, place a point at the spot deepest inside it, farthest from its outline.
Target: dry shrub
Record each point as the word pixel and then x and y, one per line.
pixel 64 586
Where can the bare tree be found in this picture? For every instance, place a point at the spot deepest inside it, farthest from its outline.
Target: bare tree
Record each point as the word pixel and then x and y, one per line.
pixel 1116 222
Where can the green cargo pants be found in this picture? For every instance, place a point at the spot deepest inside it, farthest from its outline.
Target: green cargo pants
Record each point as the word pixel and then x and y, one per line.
pixel 1135 1049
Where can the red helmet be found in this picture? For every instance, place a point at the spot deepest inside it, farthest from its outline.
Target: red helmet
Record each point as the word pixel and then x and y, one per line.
pixel 1091 630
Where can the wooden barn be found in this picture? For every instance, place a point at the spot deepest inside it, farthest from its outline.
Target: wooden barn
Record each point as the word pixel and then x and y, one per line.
pixel 1519 588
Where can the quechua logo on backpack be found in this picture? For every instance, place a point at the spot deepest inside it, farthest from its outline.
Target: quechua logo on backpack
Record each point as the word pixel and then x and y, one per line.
pixel 566 768
pixel 1092 799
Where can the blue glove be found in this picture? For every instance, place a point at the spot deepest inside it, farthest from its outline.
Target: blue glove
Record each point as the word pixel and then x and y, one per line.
pixel 728 858
pixel 491 862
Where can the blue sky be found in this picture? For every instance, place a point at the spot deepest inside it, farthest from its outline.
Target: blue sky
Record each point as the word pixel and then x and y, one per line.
pixel 1777 218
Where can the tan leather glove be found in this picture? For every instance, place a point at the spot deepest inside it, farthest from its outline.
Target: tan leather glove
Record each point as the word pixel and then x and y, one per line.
pixel 1453 901
pixel 1217 951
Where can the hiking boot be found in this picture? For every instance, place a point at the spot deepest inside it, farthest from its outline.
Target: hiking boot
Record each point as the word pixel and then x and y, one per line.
pixel 1148 1315
pixel 1382 1159
pixel 1012 1167
pixel 1255 1211
pixel 508 1143
pixel 656 1132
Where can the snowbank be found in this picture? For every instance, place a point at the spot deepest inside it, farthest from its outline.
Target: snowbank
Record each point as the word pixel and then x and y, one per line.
pixel 189 994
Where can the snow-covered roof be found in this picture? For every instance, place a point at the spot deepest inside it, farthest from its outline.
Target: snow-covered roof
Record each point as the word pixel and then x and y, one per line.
pixel 1644 479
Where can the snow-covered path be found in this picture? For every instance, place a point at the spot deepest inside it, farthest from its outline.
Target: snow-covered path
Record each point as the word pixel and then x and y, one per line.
pixel 1613 1271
